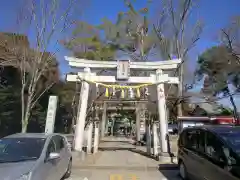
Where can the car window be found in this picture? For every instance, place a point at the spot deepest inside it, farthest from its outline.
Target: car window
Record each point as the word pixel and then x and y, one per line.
pixel 215 148
pixel 191 139
pixel 62 142
pixel 201 141
pixel 17 149
pixel 233 139
pixel 51 147
pixel 59 141
pixel 181 140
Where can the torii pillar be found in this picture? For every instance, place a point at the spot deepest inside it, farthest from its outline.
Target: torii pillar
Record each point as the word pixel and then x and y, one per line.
pixel 81 115
pixel 103 120
pixel 163 122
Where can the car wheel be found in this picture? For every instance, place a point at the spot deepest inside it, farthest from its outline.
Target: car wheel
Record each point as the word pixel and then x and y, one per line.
pixel 183 171
pixel 69 170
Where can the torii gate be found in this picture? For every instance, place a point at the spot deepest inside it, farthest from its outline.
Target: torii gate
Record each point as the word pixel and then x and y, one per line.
pixel 157 78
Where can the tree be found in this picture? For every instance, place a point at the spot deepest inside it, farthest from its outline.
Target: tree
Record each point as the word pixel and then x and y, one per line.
pixel 10 86
pixel 66 92
pixel 176 40
pixel 10 101
pixel 218 66
pixel 132 34
pixel 46 19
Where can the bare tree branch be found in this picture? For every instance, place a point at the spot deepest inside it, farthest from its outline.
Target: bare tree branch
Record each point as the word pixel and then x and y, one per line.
pixel 178 15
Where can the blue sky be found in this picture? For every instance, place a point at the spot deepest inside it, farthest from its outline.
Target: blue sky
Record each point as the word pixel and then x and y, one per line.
pixel 215 14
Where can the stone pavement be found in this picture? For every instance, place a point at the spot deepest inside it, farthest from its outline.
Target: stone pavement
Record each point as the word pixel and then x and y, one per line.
pixel 86 174
pixel 118 159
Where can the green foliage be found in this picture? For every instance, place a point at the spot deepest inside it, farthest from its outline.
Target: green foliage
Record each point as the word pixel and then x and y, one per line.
pixel 225 111
pixel 10 110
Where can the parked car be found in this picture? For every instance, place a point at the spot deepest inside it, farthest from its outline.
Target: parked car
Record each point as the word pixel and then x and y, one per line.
pixel 209 152
pixel 30 156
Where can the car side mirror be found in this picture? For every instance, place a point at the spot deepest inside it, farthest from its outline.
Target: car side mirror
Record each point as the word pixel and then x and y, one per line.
pixel 53 156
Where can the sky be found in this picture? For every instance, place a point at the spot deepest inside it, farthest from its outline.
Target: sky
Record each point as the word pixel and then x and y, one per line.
pixel 214 14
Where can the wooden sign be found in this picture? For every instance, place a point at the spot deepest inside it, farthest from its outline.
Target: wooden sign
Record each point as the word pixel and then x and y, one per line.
pixel 123 69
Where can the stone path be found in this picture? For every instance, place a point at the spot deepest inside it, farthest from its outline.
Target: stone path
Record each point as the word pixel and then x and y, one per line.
pixel 120 161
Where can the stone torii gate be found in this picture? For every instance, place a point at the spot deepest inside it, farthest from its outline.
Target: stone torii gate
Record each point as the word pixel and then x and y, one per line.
pixel 158 78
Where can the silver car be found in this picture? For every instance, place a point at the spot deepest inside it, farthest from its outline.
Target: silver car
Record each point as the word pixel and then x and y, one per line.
pixel 31 156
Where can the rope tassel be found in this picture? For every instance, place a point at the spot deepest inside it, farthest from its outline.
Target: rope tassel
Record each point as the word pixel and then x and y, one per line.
pixel 106 92
pixel 97 88
pixel 122 93
pixel 114 91
pixel 138 93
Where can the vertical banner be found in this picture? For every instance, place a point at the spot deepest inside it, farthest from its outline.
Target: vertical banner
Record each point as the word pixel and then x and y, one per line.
pixel 51 114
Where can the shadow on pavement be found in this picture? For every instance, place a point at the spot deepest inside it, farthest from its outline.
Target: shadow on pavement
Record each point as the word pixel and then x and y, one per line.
pixel 143 153
pixel 115 149
pixel 170 174
pixel 164 167
pixel 170 171
pixel 134 150
pixel 124 142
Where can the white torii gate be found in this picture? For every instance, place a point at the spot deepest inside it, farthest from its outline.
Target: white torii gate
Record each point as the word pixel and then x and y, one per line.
pixel 157 78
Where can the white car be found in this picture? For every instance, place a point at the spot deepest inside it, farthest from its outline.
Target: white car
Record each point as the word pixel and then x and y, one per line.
pixel 32 156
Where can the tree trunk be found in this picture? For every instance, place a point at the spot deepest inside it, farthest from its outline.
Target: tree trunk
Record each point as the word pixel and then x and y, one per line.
pixel 23 108
pixel 24 127
pixel 25 120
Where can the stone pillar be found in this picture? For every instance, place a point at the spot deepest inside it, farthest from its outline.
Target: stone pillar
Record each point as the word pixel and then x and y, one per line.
pixel 89 137
pixel 138 135
pixel 142 115
pixel 81 116
pixel 162 113
pixel 96 130
pixel 148 134
pixel 155 139
pixel 112 125
pixel 96 137
pixel 106 125
pixel 104 118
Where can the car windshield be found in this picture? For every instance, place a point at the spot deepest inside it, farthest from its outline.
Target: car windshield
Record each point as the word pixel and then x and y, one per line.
pixel 233 138
pixel 20 149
